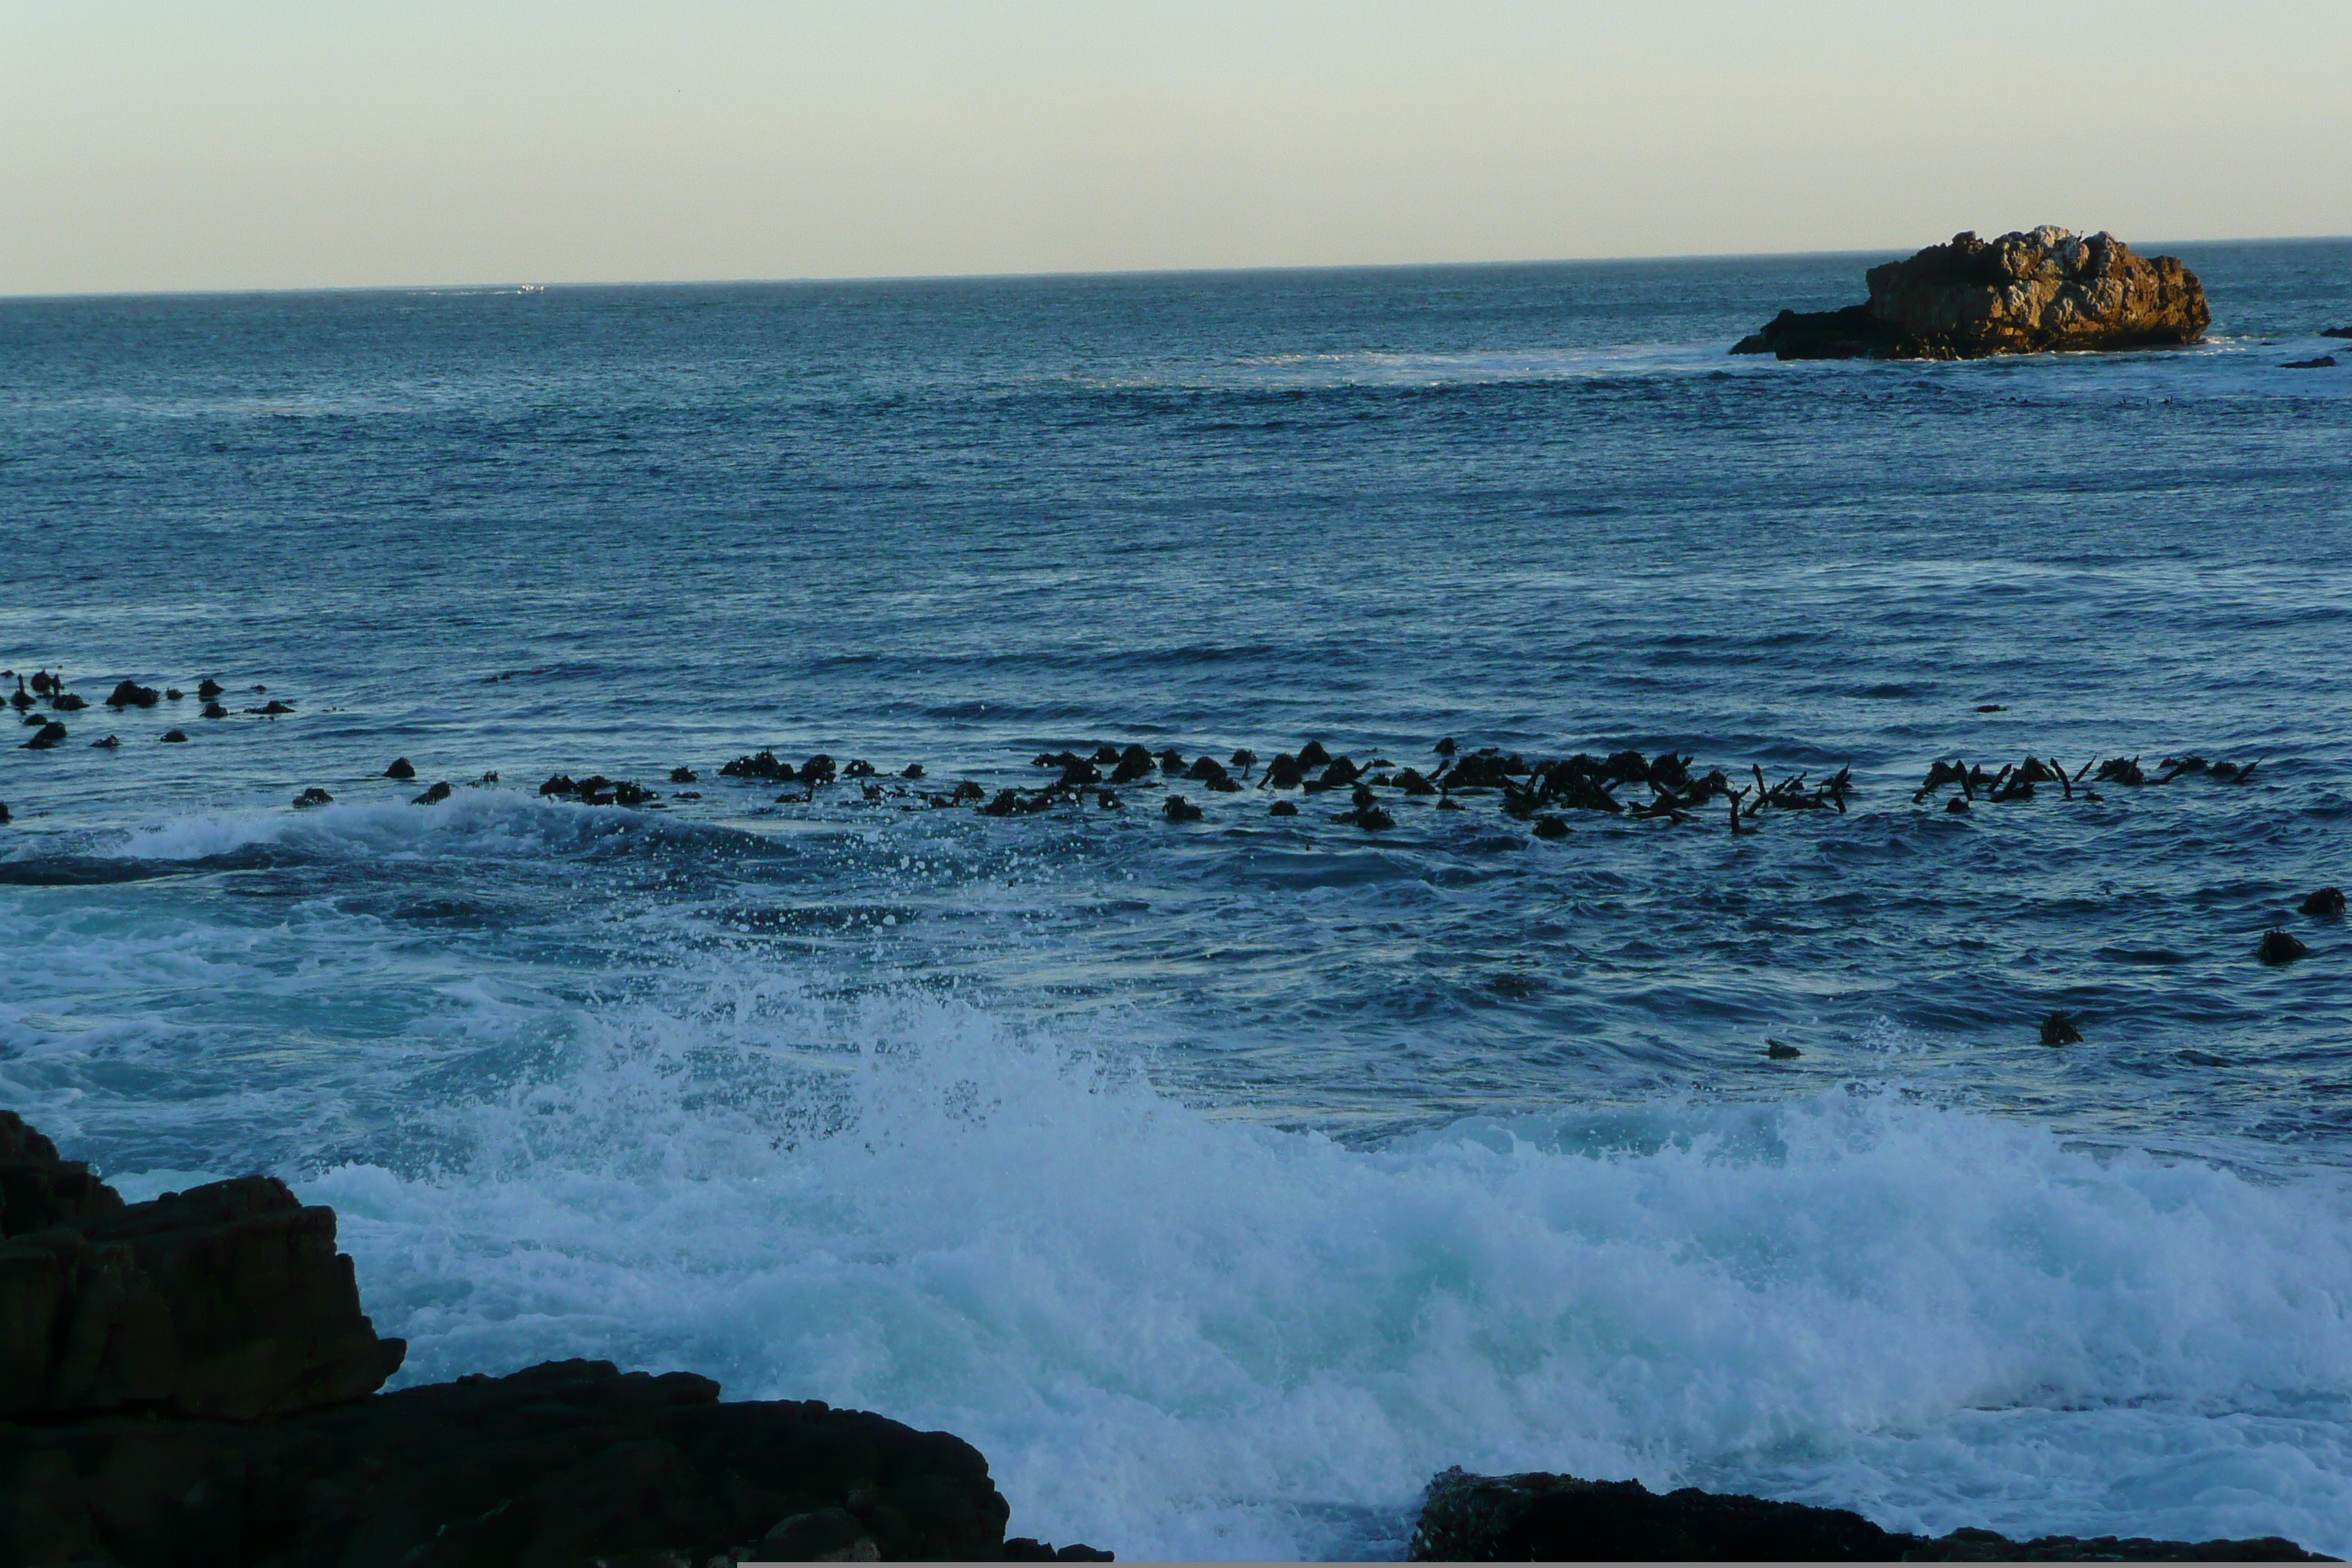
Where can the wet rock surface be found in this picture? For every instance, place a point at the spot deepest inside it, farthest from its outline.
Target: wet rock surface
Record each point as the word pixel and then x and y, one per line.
pixel 1560 1519
pixel 2029 292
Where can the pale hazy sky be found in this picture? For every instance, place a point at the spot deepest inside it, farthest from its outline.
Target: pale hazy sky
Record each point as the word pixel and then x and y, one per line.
pixel 241 145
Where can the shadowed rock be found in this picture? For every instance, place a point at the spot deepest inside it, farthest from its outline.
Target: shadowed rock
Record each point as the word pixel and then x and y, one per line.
pixel 401 768
pixel 1135 762
pixel 50 733
pixel 174 737
pixel 226 1300
pixel 1176 808
pixel 565 1463
pixel 109 743
pixel 682 775
pixel 434 795
pixel 2034 292
pixel 209 688
pixel 1283 808
pixel 1550 827
pixel 1560 1519
pixel 2326 904
pixel 130 694
pixel 2325 361
pixel 312 796
pixel 1313 755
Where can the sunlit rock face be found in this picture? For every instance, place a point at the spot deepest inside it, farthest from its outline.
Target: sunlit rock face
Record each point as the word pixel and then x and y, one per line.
pixel 2035 293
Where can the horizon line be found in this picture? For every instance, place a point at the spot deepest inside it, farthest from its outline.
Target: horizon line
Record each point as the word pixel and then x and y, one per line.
pixel 1075 275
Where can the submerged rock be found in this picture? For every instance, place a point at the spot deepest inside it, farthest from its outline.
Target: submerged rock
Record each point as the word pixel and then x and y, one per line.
pixel 2060 1029
pixel 2035 293
pixel 1560 1519
pixel 130 694
pixel 2327 904
pixel 2278 947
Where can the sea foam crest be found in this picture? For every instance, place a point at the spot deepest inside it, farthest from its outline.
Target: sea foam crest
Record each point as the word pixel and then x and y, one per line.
pixel 1180 1334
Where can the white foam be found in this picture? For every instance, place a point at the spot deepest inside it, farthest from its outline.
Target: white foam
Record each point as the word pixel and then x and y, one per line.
pixel 1182 1336
pixel 501 821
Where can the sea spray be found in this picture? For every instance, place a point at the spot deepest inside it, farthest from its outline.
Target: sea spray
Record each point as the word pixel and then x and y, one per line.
pixel 1187 1334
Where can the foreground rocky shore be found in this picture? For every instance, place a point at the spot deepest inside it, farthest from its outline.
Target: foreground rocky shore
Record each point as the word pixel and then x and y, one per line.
pixel 190 1382
pixel 2039 292
pixel 1560 1518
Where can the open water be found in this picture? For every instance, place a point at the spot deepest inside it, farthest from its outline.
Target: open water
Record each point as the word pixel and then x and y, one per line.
pixel 1222 1181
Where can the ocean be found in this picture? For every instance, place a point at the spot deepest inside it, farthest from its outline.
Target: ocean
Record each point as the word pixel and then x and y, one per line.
pixel 1222 1180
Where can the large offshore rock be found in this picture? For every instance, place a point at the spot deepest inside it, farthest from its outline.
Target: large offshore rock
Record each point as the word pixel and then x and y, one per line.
pixel 226 1300
pixel 2023 293
pixel 1560 1519
pixel 563 1465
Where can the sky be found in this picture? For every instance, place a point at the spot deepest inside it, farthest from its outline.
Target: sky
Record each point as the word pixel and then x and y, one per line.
pixel 240 144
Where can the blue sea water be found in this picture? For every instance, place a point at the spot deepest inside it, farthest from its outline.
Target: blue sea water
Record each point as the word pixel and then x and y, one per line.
pixel 1222 1181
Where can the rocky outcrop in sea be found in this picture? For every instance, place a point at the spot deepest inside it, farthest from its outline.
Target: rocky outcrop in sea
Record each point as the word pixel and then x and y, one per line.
pixel 2044 291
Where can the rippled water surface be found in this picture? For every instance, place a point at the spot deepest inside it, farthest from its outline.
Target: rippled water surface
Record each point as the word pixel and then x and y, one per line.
pixel 1223 1180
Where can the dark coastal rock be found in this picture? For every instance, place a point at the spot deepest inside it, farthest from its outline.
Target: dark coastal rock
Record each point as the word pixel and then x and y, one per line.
pixel 2336 331
pixel 558 783
pixel 1549 826
pixel 2326 904
pixel 272 709
pixel 569 1463
pixel 2278 948
pixel 4 813
pixel 209 688
pixel 312 796
pixel 1313 755
pixel 49 734
pixel 2060 1029
pixel 1286 772
pixel 1560 1519
pixel 817 770
pixel 2325 361
pixel 174 737
pixel 2037 293
pixel 213 711
pixel 130 694
pixel 227 1300
pixel 1283 808
pixel 435 794
pixel 401 768
pixel 111 743
pixel 66 702
pixel 1781 1051
pixel 1135 763
pixel 682 775
pixel 189 1383
pixel 758 765
pixel 1176 808
pixel 173 694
